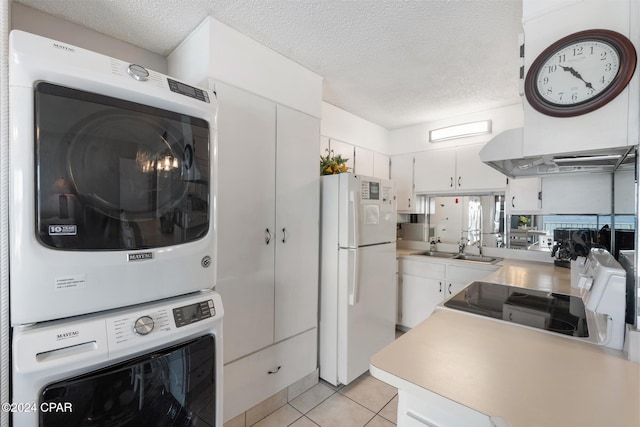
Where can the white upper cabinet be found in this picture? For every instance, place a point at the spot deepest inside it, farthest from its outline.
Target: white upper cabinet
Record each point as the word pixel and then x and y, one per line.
pixel 364 161
pixel 380 165
pixel 625 201
pixel 435 171
pixel 523 196
pixel 455 170
pixel 402 176
pixel 588 193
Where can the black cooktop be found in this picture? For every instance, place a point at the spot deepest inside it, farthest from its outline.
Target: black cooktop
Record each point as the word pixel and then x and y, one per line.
pixel 559 313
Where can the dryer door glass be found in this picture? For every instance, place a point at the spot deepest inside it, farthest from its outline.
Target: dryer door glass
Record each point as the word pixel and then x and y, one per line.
pixel 174 387
pixel 113 174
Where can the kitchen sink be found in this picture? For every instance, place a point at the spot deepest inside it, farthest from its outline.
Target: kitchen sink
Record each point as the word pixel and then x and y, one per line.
pixel 476 258
pixel 436 254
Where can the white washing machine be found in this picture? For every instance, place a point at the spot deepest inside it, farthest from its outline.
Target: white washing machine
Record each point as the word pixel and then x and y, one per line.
pixel 157 364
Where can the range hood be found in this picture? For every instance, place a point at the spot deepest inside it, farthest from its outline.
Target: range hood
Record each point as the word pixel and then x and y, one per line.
pixel 505 153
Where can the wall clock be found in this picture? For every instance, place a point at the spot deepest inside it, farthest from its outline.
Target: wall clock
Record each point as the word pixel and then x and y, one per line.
pixel 580 73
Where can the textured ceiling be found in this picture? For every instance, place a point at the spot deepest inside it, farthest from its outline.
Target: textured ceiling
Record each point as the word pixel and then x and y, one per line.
pixel 395 63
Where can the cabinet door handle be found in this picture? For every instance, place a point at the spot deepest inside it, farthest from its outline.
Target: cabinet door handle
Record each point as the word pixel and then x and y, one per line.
pixel 419 418
pixel 440 286
pixel 274 371
pixel 449 288
pixel 409 201
pixel 512 201
pixel 284 235
pixel 451 183
pixel 459 178
pixel 267 236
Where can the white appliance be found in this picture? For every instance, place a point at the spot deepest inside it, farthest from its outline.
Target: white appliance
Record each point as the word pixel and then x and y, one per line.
pixel 152 364
pixel 112 182
pixel 357 276
pixel 594 312
pixel 602 287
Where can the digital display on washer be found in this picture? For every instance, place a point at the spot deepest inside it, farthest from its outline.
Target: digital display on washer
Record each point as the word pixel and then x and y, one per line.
pixel 193 313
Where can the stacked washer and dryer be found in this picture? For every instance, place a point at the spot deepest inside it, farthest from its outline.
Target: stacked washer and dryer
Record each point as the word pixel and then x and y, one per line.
pixel 112 243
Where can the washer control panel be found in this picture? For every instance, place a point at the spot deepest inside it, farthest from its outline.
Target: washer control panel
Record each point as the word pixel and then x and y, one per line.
pixel 192 313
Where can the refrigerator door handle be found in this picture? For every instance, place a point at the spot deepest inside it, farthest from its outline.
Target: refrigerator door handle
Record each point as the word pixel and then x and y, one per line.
pixel 353 285
pixel 353 210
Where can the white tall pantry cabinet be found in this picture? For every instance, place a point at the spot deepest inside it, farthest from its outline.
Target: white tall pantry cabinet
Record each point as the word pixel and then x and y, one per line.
pixel 268 216
pixel 267 208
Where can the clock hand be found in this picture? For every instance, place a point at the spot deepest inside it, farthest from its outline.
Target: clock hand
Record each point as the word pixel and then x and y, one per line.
pixel 576 74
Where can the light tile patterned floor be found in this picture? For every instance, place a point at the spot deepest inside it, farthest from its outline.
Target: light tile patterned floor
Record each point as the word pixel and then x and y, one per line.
pixel 367 401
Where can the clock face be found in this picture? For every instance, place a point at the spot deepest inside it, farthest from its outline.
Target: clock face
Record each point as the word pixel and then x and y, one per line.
pixel 580 73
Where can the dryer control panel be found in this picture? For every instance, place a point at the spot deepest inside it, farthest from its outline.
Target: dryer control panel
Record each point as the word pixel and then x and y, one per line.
pixel 193 313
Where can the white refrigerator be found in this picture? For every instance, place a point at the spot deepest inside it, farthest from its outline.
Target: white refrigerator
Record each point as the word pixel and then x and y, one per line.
pixel 357 275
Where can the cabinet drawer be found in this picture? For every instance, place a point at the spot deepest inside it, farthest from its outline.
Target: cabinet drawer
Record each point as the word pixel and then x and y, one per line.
pixel 432 410
pixel 466 275
pixel 254 378
pixel 423 269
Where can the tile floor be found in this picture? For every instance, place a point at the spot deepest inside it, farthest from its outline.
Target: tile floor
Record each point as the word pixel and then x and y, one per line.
pixel 367 401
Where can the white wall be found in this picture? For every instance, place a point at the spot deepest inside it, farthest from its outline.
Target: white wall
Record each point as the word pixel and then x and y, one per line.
pixel 33 21
pixel 416 138
pixel 347 127
pixel 217 51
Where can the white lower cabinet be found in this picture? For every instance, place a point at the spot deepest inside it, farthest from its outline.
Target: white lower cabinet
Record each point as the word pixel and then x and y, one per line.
pixel 254 378
pixel 431 410
pixel 420 296
pixel 425 284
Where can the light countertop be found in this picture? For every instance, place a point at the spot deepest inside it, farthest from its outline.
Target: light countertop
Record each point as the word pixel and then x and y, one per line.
pixel 527 377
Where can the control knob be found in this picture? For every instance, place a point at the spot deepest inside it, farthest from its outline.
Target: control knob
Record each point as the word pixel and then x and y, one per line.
pixel 143 325
pixel 138 72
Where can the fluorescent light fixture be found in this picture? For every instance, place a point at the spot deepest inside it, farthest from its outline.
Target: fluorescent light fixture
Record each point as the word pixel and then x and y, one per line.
pixel 587 158
pixel 460 131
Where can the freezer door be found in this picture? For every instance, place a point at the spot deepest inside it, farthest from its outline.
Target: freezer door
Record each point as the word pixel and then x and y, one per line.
pixel 366 306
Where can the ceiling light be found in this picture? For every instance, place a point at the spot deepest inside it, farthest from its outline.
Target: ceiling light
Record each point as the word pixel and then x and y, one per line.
pixel 460 131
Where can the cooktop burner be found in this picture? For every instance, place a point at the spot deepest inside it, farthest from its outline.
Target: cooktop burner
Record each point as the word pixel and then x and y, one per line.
pixel 559 313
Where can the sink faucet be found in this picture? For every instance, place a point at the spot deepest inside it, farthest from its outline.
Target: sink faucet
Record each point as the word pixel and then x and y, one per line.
pixel 461 246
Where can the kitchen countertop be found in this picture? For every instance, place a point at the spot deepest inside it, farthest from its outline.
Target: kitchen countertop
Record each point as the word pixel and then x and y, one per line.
pixel 525 376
